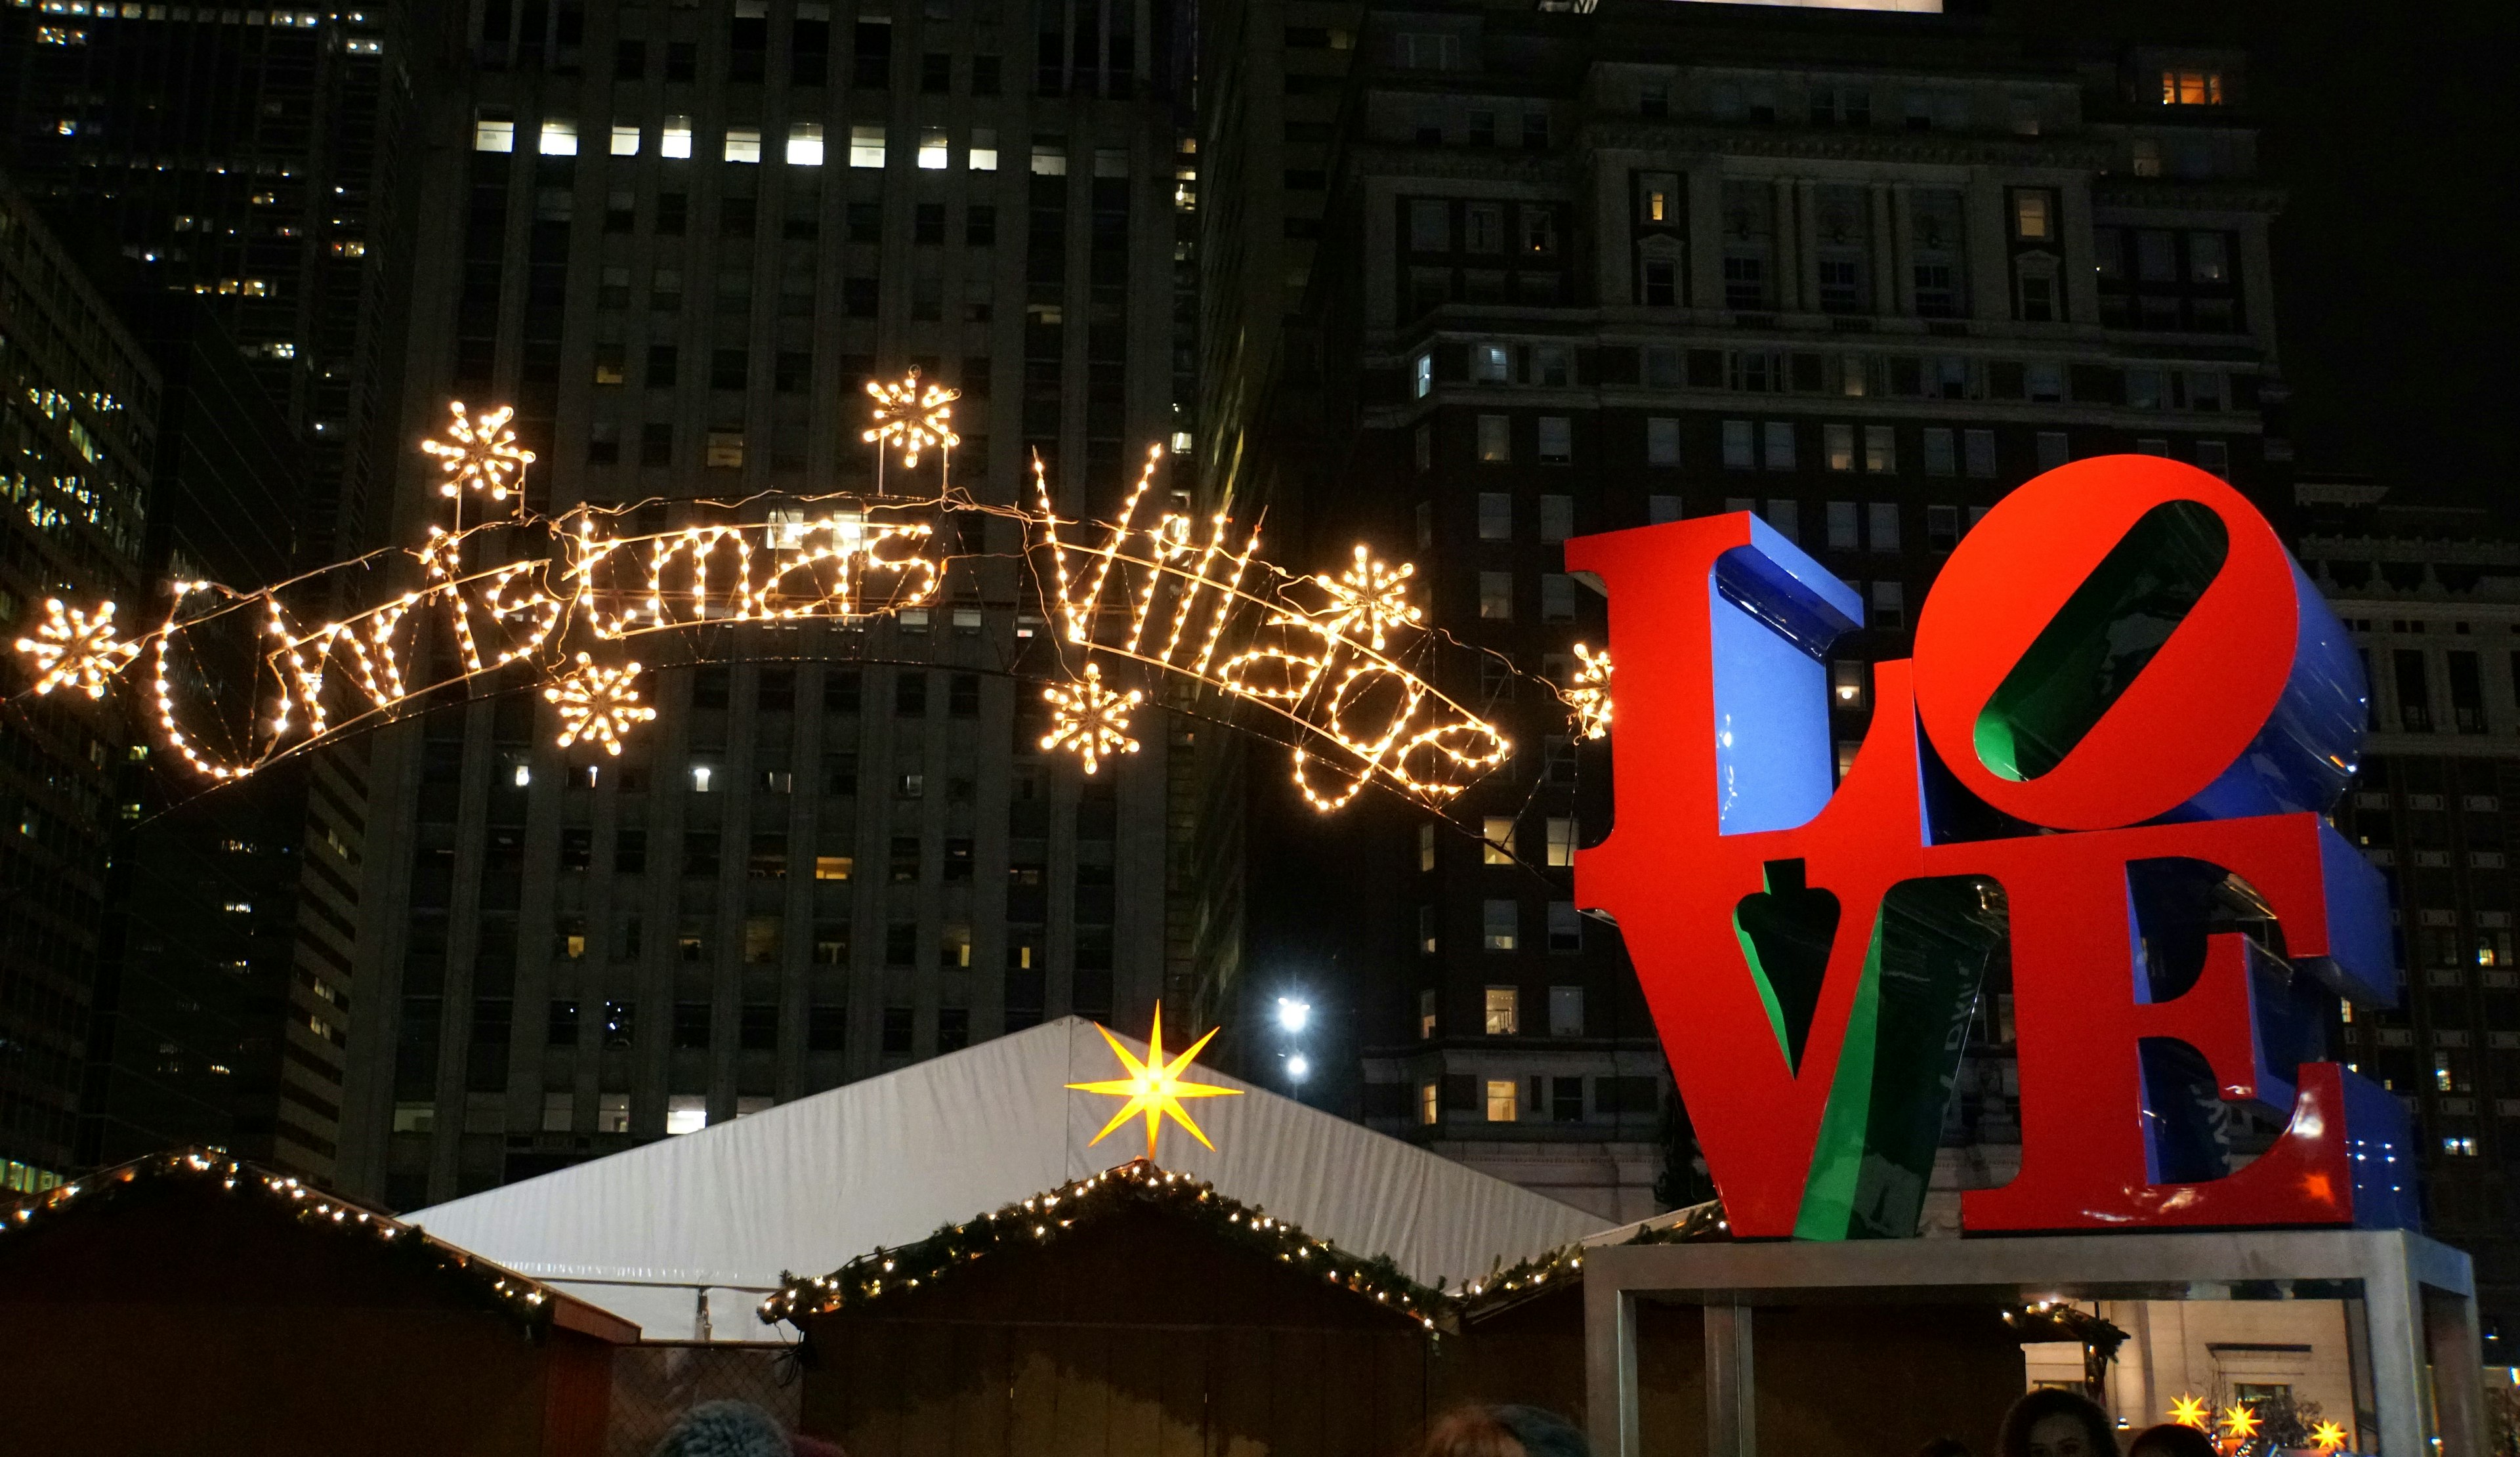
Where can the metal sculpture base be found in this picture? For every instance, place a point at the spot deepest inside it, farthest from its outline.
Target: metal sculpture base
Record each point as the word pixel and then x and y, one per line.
pixel 2417 1296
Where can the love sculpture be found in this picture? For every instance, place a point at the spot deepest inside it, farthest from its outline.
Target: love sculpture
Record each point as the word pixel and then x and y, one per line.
pixel 2127 709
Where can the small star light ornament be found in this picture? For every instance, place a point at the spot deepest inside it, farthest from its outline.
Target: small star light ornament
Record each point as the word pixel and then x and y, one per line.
pixel 912 418
pixel 2239 1423
pixel 480 453
pixel 601 704
pixel 1368 602
pixel 1155 1087
pixel 1590 697
pixel 73 648
pixel 1091 719
pixel 2191 1411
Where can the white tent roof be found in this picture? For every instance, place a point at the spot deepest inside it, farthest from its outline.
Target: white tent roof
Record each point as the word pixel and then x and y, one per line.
pixel 807 1186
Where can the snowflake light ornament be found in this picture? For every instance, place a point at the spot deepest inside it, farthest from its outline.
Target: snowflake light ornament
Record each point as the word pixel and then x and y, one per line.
pixel 75 648
pixel 912 418
pixel 480 453
pixel 1368 600
pixel 1090 719
pixel 601 704
pixel 1590 694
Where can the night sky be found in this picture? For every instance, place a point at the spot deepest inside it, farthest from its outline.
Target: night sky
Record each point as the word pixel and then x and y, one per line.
pixel 2391 125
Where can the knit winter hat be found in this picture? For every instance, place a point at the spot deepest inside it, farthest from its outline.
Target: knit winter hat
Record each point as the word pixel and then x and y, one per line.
pixel 724 1429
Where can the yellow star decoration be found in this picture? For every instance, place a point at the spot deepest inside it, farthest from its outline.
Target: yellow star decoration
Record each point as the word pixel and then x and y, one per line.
pixel 2328 1437
pixel 72 647
pixel 1368 600
pixel 481 453
pixel 1155 1087
pixel 1091 719
pixel 1589 695
pixel 2191 1411
pixel 912 418
pixel 2239 1423
pixel 600 704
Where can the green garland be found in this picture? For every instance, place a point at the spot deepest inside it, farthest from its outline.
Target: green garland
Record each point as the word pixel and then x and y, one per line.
pixel 522 1299
pixel 1044 1217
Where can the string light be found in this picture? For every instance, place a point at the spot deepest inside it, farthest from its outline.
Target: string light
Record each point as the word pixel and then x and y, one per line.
pixel 1372 597
pixel 1590 694
pixel 912 418
pixel 1091 719
pixel 70 647
pixel 1045 1218
pixel 600 704
pixel 1168 591
pixel 480 453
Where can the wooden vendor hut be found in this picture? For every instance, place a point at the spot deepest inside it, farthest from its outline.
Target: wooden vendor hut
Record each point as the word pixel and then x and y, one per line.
pixel 1133 1311
pixel 1831 1380
pixel 189 1302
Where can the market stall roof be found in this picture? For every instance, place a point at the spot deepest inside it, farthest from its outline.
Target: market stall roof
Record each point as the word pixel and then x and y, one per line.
pixel 686 1235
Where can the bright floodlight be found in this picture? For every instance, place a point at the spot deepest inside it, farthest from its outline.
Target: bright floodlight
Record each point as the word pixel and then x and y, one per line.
pixel 1298 1067
pixel 1292 1015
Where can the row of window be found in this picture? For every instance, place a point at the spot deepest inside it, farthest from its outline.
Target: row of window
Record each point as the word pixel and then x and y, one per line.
pixel 1501 922
pixel 2141 387
pixel 869 145
pixel 1776 445
pixel 1559 1100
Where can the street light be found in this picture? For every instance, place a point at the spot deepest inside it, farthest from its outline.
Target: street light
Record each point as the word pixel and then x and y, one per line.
pixel 1292 1015
pixel 1298 1067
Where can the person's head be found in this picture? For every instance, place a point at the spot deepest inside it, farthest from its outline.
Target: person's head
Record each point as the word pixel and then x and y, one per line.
pixel 1503 1431
pixel 2054 1423
pixel 1944 1447
pixel 725 1429
pixel 2170 1439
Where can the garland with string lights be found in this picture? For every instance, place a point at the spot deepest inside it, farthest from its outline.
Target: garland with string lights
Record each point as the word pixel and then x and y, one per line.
pixel 1045 1218
pixel 404 1246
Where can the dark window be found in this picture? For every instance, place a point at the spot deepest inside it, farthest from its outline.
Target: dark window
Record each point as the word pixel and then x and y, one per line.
pixel 865 222
pixel 909 696
pixel 827 1028
pixel 2467 694
pixel 681 59
pixel 901 943
pixel 928 224
pixel 577 848
pixel 953 1028
pixel 691 1024
pixel 759 1031
pixel 958 861
pixel 984 76
pixel 673 213
pixel 711 686
pixel 962 696
pixel 874 56
pixel 858 298
pixel 841 774
pixel 629 59
pixel 980 226
pixel 904 859
pixel 1566 1100
pixel 831 943
pixel 629 851
pixel 897 1023
pixel 768 860
pixel 936 72
pixel 699 853
pixel 561 1030
pixel 661 366
pixel 792 371
pixel 656 444
pixel 840 689
pixel 735 216
pixel 726 369
pixel 2415 703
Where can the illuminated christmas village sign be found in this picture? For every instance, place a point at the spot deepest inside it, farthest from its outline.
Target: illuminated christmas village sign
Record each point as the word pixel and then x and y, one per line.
pixel 2127 709
pixel 239 679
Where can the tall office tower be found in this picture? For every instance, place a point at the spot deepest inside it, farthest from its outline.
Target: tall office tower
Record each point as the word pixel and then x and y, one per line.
pixel 678 238
pixel 1859 274
pixel 2433 595
pixel 245 156
pixel 223 992
pixel 76 427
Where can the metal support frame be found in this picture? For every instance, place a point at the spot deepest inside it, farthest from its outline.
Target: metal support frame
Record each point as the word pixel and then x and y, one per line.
pixel 2417 1294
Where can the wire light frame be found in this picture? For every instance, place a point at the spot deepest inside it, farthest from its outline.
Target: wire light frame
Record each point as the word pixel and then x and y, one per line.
pixel 1338 665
